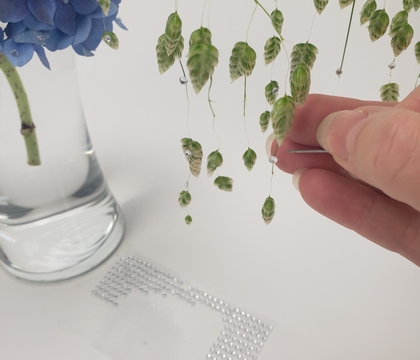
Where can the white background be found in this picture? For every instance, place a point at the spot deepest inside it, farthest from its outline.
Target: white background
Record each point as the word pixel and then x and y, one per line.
pixel 331 293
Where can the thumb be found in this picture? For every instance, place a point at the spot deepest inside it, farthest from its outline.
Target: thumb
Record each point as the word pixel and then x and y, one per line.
pixel 380 145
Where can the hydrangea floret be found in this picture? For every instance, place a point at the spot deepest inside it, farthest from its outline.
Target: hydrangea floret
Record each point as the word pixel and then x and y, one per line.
pixel 32 26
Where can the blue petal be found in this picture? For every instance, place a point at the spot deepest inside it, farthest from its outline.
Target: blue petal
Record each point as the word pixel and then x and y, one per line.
pixel 65 18
pixel 18 54
pixel 83 29
pixel 13 29
pixel 84 7
pixel 43 10
pixel 95 35
pixel 32 37
pixel 120 24
pixel 32 23
pixel 41 54
pixel 58 40
pixel 80 50
pixel 13 10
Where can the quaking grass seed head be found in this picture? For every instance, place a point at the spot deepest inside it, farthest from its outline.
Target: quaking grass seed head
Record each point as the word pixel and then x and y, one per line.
pixel 320 5
pixel 367 10
pixel 390 92
pixel 378 24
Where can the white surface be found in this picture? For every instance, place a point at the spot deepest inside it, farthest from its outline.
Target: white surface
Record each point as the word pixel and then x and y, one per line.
pixel 331 293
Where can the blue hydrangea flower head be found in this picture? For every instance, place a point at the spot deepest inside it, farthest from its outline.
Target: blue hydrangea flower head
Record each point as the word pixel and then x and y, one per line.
pixel 36 25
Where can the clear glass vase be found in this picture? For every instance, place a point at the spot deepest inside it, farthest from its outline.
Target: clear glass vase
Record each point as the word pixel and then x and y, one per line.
pixel 58 219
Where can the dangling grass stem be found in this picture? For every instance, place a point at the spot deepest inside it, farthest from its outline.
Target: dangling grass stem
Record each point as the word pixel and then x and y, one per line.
pixel 212 111
pixel 347 36
pixel 27 128
pixel 188 99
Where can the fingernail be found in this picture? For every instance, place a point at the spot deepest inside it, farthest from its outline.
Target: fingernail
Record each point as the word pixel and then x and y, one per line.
pixel 269 144
pixel 338 132
pixel 296 177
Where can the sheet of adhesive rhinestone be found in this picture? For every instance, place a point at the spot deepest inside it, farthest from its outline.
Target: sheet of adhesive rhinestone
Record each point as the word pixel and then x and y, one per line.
pixel 243 335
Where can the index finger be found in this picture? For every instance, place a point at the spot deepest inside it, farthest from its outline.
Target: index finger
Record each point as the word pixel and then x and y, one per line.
pixel 316 108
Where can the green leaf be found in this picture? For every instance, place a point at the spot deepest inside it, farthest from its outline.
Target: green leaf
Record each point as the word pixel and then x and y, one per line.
pixel 300 83
pixel 367 10
pixel 277 20
pixel 417 51
pixel 378 24
pixel 345 3
pixel 194 155
pixel 110 39
pixel 268 210
pixel 402 39
pixel 242 61
pixel 271 91
pixel 264 120
pixel 282 116
pixel 184 198
pixel 390 92
pixel 272 48
pixel 249 157
pixel 320 5
pixel 224 183
pixel 173 32
pixel 202 59
pixel 214 160
pixel 105 6
pixel 416 4
pixel 188 219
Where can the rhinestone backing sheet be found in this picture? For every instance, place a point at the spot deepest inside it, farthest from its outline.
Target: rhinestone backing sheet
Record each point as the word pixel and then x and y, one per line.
pixel 156 314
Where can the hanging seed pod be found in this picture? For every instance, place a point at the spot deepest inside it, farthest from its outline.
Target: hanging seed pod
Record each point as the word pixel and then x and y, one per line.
pixel 407 5
pixel 271 91
pixel 378 24
pixel 224 183
pixel 277 20
pixel 264 121
pixel 214 160
pixel 184 198
pixel 272 48
pixel 417 51
pixel 268 210
pixel 367 10
pixel 390 92
pixel 242 61
pixel 249 157
pixel 188 219
pixel 320 5
pixel 345 3
pixel 173 32
pixel 194 155
pixel 165 61
pixel 300 83
pixel 111 39
pixel 282 116
pixel 105 6
pixel 398 21
pixel 202 58
pixel 302 53
pixel 200 36
pixel 401 39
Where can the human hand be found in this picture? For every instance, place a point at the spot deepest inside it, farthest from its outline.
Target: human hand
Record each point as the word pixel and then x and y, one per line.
pixel 370 180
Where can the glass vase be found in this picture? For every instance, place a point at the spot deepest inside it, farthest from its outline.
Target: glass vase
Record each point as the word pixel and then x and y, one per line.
pixel 58 219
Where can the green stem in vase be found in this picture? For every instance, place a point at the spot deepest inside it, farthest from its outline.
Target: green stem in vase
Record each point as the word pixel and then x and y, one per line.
pixel 27 128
